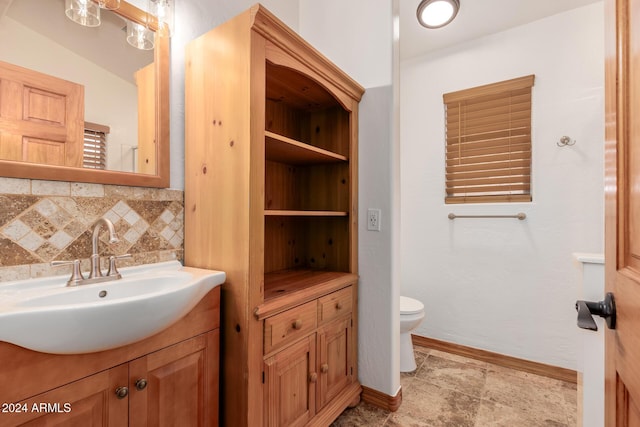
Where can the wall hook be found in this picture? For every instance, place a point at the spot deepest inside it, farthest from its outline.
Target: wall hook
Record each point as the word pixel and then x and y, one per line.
pixel 564 141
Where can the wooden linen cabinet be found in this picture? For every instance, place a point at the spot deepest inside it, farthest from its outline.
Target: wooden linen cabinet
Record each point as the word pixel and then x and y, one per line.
pixel 271 198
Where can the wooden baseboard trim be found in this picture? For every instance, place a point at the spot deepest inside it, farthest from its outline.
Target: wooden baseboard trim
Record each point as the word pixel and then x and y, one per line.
pixel 381 400
pixel 550 371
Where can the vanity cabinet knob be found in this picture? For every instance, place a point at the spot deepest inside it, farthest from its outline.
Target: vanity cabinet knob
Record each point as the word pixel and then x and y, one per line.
pixel 297 324
pixel 122 392
pixel 141 384
pixel 324 368
pixel 313 377
pixel 338 305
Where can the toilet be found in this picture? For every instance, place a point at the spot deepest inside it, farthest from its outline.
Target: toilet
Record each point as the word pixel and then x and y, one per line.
pixel 411 314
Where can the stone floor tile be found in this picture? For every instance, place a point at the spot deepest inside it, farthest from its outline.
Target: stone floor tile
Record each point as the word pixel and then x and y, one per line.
pixel 431 405
pixel 364 414
pixel 454 375
pixel 492 414
pixel 528 395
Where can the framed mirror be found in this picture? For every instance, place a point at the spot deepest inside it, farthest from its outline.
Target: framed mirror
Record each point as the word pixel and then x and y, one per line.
pixel 77 99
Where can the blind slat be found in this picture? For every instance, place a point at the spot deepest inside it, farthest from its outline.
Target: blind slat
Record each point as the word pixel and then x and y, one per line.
pixel 487 173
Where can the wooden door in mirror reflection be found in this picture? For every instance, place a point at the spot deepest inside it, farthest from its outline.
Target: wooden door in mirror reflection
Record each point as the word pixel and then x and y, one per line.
pixel 41 118
pixel 145 81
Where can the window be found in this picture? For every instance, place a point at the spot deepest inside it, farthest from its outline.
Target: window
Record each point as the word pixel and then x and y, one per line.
pixel 488 143
pixel 95 146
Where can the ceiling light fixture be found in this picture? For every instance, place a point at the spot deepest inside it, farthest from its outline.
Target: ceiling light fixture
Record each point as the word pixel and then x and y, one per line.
pixel 437 13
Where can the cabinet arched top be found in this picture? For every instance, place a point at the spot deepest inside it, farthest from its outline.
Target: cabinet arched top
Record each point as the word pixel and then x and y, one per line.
pixel 286 48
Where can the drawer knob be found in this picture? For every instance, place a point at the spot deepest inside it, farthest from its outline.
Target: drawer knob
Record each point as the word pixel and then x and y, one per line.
pixel 338 305
pixel 141 384
pixel 297 324
pixel 313 377
pixel 324 368
pixel 122 392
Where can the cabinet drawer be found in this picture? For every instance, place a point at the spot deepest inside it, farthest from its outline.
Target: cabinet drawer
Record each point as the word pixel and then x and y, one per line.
pixel 288 326
pixel 334 305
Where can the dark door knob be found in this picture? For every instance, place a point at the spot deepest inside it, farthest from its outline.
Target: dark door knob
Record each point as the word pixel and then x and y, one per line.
pixel 605 309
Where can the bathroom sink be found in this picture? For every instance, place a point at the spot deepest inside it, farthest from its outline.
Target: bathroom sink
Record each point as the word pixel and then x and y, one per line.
pixel 45 315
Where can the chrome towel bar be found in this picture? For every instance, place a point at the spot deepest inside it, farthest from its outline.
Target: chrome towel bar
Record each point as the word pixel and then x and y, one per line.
pixel 519 215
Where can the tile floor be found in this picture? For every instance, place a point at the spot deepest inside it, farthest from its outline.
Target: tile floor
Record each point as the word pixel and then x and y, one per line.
pixel 447 390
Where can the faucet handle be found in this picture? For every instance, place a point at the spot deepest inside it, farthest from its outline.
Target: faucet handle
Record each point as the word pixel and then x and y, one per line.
pixel 76 274
pixel 113 270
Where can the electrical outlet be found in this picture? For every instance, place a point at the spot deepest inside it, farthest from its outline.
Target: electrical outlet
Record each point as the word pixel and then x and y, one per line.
pixel 373 219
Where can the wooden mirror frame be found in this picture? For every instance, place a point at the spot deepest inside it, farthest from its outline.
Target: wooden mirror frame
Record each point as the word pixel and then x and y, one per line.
pixel 16 169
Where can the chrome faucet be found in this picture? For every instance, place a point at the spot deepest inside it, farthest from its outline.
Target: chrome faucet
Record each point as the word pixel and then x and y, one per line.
pixel 95 275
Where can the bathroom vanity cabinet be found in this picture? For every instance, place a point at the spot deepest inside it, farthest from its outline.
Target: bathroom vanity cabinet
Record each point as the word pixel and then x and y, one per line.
pixel 171 377
pixel 271 198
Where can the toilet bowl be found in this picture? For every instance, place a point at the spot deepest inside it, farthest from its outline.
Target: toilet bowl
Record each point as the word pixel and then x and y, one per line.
pixel 411 314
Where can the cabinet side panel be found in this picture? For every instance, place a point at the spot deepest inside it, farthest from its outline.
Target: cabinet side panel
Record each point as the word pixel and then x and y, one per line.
pixel 217 181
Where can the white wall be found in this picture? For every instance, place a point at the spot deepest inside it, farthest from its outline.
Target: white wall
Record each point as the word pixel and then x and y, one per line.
pixel 192 19
pixel 357 36
pixel 109 99
pixel 505 285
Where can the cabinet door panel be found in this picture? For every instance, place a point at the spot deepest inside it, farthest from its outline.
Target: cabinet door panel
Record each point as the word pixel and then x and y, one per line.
pixel 89 402
pixel 334 359
pixel 181 385
pixel 290 385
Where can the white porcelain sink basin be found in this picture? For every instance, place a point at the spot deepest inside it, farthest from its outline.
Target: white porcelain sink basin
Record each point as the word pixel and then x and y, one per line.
pixel 45 315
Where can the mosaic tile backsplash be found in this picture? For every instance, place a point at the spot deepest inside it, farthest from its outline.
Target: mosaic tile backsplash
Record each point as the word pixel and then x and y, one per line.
pixel 42 221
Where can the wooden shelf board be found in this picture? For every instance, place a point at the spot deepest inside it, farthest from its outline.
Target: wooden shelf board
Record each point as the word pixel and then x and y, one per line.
pixel 286 288
pixel 274 212
pixel 281 149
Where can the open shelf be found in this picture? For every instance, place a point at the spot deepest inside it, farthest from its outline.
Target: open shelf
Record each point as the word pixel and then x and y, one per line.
pixel 274 212
pixel 279 148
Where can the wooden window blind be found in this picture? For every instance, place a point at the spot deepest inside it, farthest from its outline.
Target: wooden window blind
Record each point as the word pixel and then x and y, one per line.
pixel 95 146
pixel 488 143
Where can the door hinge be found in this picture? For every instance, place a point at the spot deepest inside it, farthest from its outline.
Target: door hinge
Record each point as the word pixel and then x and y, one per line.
pixel 352 371
pixel 351 322
pixel 262 377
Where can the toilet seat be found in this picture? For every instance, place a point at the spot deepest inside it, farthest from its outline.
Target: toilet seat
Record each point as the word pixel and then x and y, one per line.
pixel 410 306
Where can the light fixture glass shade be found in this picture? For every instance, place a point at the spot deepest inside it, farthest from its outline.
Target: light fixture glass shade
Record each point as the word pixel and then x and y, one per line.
pixel 108 4
pixel 163 10
pixel 83 12
pixel 437 13
pixel 140 36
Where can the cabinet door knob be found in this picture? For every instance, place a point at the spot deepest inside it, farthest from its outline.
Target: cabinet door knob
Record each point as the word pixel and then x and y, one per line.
pixel 122 392
pixel 324 368
pixel 297 324
pixel 141 384
pixel 338 305
pixel 313 377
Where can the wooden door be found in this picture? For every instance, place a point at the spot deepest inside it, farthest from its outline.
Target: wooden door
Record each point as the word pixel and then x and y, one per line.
pixel 622 211
pixel 91 401
pixel 41 118
pixel 290 385
pixel 176 386
pixel 334 359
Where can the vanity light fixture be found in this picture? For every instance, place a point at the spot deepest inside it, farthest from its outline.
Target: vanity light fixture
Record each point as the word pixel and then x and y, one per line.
pixel 140 36
pixel 163 10
pixel 83 12
pixel 437 13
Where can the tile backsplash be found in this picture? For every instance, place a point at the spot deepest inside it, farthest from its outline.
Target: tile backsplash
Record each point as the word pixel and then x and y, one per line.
pixel 42 221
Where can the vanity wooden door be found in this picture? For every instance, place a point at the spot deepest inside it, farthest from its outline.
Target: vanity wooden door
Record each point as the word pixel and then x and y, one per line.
pixel 176 386
pixel 41 118
pixel 90 401
pixel 622 211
